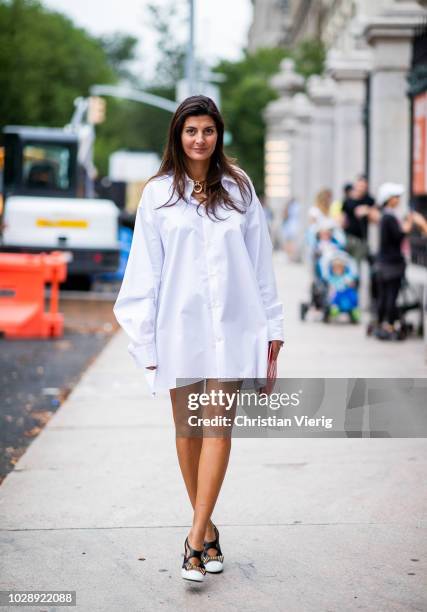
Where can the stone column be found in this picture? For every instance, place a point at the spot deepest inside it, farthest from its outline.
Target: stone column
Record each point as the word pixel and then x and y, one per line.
pixel 301 168
pixel 279 138
pixel 301 171
pixel 390 36
pixel 350 73
pixel 321 91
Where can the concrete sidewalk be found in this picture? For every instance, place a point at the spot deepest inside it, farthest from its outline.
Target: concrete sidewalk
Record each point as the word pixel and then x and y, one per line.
pixel 306 524
pixel 338 349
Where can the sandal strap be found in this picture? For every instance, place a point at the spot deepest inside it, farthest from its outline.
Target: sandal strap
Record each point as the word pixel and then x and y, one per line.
pixel 213 543
pixel 192 551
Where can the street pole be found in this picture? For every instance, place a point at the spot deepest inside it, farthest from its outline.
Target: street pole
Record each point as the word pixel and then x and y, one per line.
pixel 189 65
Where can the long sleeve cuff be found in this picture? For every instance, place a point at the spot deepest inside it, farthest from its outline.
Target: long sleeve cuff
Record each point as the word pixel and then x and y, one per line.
pixel 275 317
pixel 275 329
pixel 145 355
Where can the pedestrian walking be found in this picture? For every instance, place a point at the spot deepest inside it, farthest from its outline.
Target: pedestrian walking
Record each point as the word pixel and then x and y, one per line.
pixel 290 228
pixel 390 264
pixel 199 301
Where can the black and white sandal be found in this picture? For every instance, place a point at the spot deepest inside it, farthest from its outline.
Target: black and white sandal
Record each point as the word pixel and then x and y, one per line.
pixel 192 571
pixel 213 564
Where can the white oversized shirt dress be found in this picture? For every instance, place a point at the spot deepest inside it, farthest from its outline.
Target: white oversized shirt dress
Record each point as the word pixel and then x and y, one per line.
pixel 198 298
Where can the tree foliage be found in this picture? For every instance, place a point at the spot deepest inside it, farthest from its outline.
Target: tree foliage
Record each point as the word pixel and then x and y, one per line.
pixel 166 21
pixel 309 57
pixel 139 127
pixel 46 62
pixel 120 49
pixel 132 126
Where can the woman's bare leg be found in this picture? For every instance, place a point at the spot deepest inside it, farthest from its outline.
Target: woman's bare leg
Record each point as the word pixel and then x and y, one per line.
pixel 213 462
pixel 188 446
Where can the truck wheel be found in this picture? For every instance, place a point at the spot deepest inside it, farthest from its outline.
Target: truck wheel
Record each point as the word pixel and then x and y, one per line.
pixel 78 282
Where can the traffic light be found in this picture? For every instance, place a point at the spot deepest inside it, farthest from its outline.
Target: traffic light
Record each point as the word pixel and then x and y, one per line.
pixel 96 110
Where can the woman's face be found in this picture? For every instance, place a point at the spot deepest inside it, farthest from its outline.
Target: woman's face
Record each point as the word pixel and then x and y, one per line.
pixel 198 137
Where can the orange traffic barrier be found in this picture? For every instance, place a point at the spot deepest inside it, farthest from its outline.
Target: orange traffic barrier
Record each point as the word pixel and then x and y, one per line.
pixel 22 294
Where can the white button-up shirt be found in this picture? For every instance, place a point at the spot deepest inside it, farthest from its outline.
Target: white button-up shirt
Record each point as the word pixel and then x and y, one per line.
pixel 198 298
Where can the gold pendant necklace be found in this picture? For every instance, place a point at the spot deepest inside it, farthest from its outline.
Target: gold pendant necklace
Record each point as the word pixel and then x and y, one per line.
pixel 198 186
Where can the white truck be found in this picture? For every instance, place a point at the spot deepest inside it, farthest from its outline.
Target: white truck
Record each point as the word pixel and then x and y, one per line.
pixel 48 203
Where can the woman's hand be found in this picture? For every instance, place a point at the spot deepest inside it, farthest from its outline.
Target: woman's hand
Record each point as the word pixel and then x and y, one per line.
pixel 407 224
pixel 419 221
pixel 276 346
pixel 374 214
pixel 361 211
pixel 151 367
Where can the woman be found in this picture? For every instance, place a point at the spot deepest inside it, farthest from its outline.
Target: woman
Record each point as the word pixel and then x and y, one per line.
pixel 390 264
pixel 291 228
pixel 199 301
pixel 320 219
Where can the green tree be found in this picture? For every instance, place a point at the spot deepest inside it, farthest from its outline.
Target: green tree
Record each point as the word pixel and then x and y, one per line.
pixel 120 49
pixel 138 127
pixel 166 20
pixel 309 57
pixel 46 62
pixel 132 126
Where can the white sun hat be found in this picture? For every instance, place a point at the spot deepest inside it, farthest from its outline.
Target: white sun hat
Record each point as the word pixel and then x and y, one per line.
pixel 389 190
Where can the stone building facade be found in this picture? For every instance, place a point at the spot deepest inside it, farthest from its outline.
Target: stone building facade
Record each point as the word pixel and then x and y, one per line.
pixel 270 24
pixel 355 117
pixel 366 114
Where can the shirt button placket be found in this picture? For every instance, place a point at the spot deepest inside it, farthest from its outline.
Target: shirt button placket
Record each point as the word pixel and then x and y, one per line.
pixel 213 287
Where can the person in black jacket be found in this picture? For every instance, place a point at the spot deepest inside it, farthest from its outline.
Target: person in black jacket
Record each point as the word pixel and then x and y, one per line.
pixel 390 264
pixel 358 209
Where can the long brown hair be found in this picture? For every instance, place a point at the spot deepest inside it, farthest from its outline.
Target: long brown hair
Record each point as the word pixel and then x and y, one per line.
pixel 323 200
pixel 173 161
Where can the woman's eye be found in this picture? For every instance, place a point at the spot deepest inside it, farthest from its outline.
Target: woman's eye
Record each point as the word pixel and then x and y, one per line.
pixel 193 130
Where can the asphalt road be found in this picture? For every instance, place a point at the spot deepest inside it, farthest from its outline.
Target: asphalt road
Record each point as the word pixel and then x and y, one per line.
pixel 37 375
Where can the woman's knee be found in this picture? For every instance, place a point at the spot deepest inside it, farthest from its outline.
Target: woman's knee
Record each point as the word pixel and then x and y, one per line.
pixel 217 443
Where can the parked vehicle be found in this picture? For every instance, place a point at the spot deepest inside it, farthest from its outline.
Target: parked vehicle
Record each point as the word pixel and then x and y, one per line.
pixel 49 203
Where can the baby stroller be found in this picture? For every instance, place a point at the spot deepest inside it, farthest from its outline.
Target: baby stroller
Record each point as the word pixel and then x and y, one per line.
pixel 339 271
pixel 329 294
pixel 408 300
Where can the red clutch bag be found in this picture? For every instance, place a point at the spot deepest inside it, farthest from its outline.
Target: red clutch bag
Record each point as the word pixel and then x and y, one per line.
pixel 271 372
